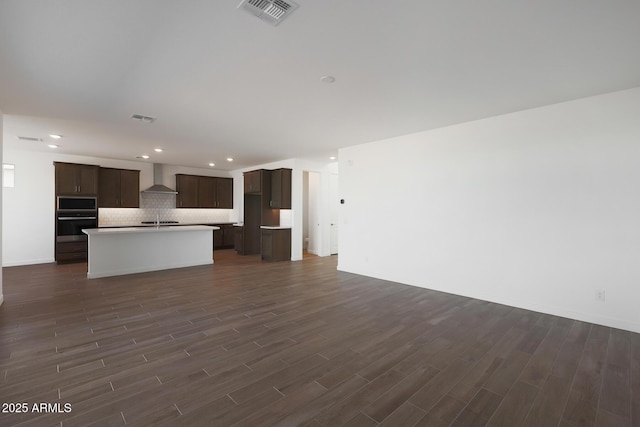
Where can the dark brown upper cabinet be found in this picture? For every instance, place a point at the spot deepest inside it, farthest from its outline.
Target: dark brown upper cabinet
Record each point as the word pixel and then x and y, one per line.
pixel 204 192
pixel 253 181
pixel 281 189
pixel 76 179
pixel 119 188
pixel 187 188
pixel 224 193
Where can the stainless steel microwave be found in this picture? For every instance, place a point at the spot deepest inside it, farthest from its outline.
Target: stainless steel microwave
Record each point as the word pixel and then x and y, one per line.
pixel 75 203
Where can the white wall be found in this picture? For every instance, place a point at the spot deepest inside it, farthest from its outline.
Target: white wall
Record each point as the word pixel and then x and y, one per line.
pixel 1 206
pixel 28 209
pixel 537 209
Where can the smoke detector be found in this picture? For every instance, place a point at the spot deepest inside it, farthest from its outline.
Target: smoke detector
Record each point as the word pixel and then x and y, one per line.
pixel 271 11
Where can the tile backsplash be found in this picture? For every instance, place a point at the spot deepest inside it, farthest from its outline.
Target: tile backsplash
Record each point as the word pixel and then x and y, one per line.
pixel 162 206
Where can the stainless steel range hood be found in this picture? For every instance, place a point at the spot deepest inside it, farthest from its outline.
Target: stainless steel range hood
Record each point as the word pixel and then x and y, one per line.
pixel 158 186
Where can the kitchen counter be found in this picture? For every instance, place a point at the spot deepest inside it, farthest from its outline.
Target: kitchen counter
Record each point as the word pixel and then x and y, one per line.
pixel 127 250
pixel 182 224
pixel 147 229
pixel 274 227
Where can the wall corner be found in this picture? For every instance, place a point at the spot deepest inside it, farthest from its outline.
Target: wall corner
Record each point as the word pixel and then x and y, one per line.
pixel 1 205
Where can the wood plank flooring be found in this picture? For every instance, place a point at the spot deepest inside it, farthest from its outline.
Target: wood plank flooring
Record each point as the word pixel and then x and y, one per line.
pixel 246 343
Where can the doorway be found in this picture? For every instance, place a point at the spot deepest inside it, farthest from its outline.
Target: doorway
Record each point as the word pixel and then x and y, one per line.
pixel 334 207
pixel 320 213
pixel 310 213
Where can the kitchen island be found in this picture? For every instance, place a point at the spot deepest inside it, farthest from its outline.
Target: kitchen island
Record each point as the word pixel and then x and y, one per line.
pixel 127 250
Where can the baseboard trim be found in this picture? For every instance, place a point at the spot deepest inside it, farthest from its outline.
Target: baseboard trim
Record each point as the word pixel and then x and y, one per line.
pixel 28 262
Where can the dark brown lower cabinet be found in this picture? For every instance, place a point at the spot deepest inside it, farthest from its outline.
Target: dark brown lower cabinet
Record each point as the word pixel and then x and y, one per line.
pixel 225 237
pixel 217 238
pixel 239 240
pixel 276 244
pixel 229 236
pixel 67 252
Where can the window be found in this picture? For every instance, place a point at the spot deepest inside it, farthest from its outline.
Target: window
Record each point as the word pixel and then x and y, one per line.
pixel 8 175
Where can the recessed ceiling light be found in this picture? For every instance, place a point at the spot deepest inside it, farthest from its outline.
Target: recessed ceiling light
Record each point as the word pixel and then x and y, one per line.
pixel 212 164
pixel 55 136
pixel 158 150
pixel 332 158
pixel 144 156
pixel 53 146
pixel 327 79
pixel 229 159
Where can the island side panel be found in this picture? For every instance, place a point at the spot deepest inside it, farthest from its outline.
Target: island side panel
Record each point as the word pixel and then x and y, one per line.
pixel 113 254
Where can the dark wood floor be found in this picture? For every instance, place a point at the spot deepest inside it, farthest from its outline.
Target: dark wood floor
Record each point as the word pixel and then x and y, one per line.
pixel 297 344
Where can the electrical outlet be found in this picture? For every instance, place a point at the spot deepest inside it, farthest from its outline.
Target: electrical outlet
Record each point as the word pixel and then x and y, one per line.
pixel 600 295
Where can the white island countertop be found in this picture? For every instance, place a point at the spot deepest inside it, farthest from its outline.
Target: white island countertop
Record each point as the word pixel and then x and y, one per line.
pixel 148 229
pixel 275 227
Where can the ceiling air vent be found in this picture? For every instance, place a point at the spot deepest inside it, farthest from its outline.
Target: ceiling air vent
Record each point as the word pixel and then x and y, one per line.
pixel 145 119
pixel 272 11
pixel 29 138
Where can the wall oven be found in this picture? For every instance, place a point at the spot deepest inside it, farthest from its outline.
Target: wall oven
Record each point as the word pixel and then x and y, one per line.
pixel 73 214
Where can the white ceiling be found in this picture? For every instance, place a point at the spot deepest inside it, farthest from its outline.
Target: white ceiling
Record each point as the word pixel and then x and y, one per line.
pixel 224 83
